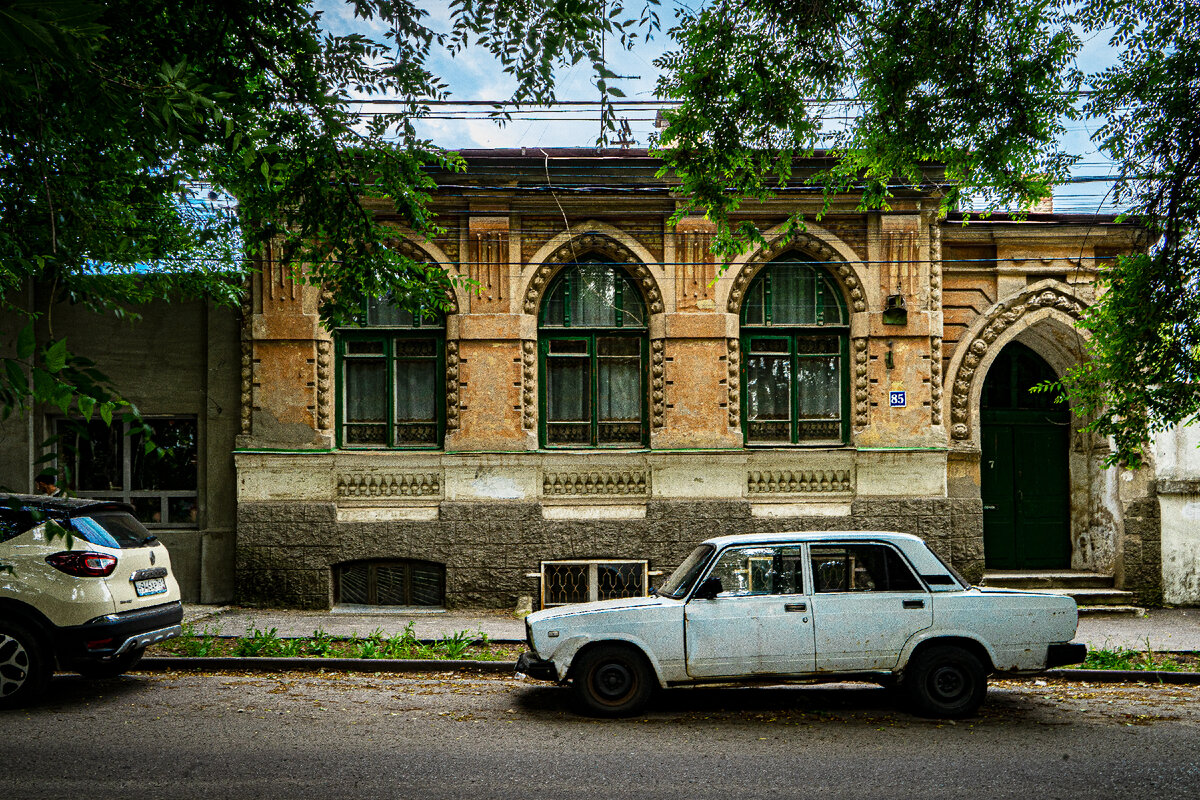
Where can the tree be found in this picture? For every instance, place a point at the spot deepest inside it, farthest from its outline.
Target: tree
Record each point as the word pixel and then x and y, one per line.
pixel 112 113
pixel 885 90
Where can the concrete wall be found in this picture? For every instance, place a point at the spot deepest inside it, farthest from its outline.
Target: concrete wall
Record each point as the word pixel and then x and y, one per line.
pixel 180 359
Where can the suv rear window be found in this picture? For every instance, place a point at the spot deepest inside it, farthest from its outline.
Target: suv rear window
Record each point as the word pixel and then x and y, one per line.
pixel 115 529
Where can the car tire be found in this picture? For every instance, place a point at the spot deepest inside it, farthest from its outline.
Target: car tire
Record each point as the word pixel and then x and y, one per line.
pixel 945 681
pixel 25 666
pixel 613 681
pixel 110 668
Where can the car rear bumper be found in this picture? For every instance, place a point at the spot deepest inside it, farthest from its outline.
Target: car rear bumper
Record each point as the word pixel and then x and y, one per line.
pixel 115 634
pixel 1059 655
pixel 529 664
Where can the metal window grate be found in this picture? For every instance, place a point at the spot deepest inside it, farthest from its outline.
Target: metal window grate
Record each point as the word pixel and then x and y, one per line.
pixel 582 581
pixel 391 583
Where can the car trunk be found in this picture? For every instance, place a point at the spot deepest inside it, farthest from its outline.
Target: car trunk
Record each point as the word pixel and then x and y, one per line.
pixel 142 576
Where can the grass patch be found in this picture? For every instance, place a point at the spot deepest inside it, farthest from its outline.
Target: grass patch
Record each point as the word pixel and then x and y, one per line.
pixel 1121 658
pixel 463 645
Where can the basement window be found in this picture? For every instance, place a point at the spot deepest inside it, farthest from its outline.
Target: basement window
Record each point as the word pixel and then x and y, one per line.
pixel 390 583
pixel 585 581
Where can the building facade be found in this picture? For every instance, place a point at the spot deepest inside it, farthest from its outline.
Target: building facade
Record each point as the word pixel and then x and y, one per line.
pixel 602 396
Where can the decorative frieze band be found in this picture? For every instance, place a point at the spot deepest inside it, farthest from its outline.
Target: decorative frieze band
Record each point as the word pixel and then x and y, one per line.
pixel 363 484
pixel 617 483
pixel 1002 318
pixel 819 481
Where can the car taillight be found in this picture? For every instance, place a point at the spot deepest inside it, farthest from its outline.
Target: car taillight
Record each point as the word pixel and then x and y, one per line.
pixel 83 564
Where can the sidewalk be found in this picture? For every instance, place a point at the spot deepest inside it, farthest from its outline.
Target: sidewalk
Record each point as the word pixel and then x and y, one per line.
pixel 1169 629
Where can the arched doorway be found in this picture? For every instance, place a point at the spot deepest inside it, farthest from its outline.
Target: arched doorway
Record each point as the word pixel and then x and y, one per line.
pixel 1026 478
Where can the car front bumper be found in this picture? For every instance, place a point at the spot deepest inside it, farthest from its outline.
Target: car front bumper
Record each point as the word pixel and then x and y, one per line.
pixel 529 664
pixel 114 634
pixel 1060 655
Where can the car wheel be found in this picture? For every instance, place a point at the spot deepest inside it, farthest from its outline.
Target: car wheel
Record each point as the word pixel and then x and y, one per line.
pixel 613 681
pixel 25 668
pixel 946 681
pixel 110 668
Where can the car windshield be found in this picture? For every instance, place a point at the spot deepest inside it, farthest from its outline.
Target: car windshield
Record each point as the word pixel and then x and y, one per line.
pixel 681 580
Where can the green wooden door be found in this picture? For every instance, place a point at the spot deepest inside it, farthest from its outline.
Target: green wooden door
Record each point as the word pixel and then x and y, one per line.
pixel 1026 479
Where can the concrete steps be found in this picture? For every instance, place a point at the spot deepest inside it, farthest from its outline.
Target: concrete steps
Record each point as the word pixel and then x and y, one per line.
pixel 1092 591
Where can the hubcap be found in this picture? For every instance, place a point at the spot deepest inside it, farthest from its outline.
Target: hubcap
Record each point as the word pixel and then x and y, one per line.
pixel 948 682
pixel 613 681
pixel 14 665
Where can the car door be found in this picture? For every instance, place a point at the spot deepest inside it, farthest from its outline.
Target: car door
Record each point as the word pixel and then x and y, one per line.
pixel 866 603
pixel 759 623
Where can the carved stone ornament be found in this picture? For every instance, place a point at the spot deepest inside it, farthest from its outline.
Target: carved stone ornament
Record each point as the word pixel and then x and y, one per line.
pixel 324 385
pixel 935 264
pixel 452 406
pixel 528 385
pixel 1002 318
pixel 935 380
pixel 370 484
pixel 247 359
pixel 616 482
pixel 818 481
pixel 657 396
pixel 734 381
pixel 811 245
pixel 862 390
pixel 584 244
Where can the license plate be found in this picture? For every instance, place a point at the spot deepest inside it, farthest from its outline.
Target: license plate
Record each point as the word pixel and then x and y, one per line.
pixel 150 586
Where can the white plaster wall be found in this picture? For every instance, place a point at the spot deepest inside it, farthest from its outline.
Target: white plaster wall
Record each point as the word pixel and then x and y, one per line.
pixel 1178 459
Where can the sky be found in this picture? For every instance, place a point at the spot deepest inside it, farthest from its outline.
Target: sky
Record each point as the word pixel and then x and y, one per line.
pixel 475 75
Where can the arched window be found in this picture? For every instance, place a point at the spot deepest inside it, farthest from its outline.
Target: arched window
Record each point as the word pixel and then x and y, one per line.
pixel 389 374
pixel 795 334
pixel 592 347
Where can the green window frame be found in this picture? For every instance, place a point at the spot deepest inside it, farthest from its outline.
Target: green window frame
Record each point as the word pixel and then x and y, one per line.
pixel 390 379
pixel 795 383
pixel 593 351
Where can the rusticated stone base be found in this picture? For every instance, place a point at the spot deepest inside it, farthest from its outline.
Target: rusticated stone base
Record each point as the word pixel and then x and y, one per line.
pixel 287 551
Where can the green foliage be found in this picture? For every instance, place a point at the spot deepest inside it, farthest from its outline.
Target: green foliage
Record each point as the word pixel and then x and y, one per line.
pixel 196 644
pixel 124 126
pixel 882 91
pixel 1121 658
pixel 1144 369
pixel 259 642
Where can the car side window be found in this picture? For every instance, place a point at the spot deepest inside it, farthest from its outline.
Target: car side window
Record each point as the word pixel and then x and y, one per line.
pixel 756 571
pixel 861 568
pixel 13 523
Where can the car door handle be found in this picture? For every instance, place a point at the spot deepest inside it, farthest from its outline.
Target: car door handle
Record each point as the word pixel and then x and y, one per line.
pixel 795 606
pixel 914 603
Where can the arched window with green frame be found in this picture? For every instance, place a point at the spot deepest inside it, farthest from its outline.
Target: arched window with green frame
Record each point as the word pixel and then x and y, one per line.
pixel 592 353
pixel 390 391
pixel 795 341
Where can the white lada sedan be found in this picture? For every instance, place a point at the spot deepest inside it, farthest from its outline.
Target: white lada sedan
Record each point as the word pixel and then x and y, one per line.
pixel 822 606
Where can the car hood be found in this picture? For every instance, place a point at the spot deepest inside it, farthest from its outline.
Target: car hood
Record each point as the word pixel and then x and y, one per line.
pixel 576 609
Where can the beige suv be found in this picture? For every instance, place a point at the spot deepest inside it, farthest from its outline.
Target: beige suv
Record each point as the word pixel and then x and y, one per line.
pixel 83 586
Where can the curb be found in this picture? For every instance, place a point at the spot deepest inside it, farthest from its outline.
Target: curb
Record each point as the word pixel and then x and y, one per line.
pixel 253 664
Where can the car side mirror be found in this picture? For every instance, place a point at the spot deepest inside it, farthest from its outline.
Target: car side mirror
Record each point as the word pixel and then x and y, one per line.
pixel 709 589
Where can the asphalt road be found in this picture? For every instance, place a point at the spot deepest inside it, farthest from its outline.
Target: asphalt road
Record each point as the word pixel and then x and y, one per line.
pixel 182 735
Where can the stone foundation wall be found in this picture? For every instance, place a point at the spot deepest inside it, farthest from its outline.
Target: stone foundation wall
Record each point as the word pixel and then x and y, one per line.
pixel 286 551
pixel 1143 551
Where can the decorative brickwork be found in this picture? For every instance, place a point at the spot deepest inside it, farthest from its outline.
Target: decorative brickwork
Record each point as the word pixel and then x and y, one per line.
pixel 734 381
pixel 528 385
pixel 324 385
pixel 627 482
pixel 800 482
